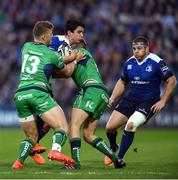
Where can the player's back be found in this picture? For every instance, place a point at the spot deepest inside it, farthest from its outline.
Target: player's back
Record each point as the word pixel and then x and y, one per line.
pixel 38 62
pixel 86 70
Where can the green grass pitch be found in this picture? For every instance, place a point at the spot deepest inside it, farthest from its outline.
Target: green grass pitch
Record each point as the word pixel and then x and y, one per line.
pixel 156 157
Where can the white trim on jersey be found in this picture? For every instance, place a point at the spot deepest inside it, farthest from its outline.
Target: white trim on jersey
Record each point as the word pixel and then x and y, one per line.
pixel 151 56
pixel 154 57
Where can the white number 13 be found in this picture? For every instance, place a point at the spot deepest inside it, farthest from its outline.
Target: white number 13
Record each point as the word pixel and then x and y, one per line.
pixel 35 60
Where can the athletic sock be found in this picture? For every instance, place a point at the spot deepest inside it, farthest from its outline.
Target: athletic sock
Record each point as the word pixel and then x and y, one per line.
pixel 112 140
pixel 41 131
pixel 99 144
pixel 59 138
pixel 75 144
pixel 126 141
pixel 25 149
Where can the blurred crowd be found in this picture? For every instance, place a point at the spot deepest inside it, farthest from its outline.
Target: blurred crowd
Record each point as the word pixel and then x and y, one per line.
pixel 111 25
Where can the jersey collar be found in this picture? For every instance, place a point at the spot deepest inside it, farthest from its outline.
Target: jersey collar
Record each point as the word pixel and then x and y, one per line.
pixel 39 43
pixel 144 60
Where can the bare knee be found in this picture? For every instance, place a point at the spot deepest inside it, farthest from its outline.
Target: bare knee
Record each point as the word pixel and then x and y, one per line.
pixel 61 125
pixel 129 126
pixel 110 127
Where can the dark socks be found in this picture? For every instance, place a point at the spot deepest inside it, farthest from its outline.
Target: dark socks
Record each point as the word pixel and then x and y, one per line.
pixel 41 130
pixel 41 133
pixel 112 140
pixel 75 144
pixel 126 141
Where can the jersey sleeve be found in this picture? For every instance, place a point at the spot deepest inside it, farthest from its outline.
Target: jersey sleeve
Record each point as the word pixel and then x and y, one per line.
pixel 164 71
pixel 58 61
pixel 124 75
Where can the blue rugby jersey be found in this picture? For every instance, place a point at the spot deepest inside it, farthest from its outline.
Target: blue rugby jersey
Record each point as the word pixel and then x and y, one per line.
pixel 60 44
pixel 145 77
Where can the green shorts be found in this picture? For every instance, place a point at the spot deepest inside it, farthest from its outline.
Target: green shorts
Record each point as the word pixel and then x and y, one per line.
pixel 93 100
pixel 32 102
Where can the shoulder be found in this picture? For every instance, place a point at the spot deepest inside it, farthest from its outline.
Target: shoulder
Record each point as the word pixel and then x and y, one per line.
pixel 27 44
pixel 59 39
pixel 155 58
pixel 130 60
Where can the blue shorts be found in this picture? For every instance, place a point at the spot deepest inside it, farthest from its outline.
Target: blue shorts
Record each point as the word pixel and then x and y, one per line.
pixel 128 107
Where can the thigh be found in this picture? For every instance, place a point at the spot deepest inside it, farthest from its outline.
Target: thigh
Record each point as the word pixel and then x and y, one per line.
pixel 101 104
pixel 93 101
pixel 42 102
pixel 22 107
pixel 145 108
pixel 33 102
pixel 116 120
pixel 126 107
pixel 56 119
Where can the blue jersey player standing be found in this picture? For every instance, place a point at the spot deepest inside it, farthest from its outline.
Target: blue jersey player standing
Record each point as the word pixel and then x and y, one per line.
pixel 144 72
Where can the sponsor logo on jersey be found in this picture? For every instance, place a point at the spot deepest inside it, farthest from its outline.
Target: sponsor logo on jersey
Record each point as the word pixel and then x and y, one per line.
pixel 26 77
pixel 164 68
pixel 140 82
pixel 89 104
pixel 26 96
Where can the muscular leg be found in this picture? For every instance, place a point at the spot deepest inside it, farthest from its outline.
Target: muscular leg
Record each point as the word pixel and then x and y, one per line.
pixel 115 121
pixel 43 128
pixel 56 119
pixel 77 119
pixel 27 144
pixel 128 135
pixel 97 142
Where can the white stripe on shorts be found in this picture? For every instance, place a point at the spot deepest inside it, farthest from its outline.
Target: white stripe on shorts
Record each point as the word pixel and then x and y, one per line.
pixel 28 118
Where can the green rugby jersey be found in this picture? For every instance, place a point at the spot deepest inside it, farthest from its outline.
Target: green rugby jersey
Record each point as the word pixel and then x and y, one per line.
pixel 38 63
pixel 86 70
